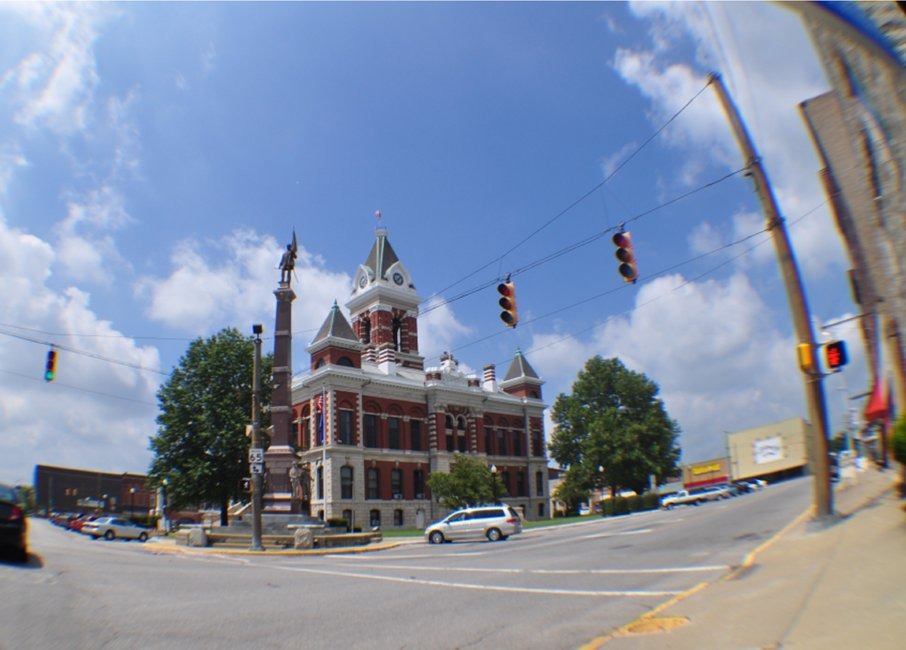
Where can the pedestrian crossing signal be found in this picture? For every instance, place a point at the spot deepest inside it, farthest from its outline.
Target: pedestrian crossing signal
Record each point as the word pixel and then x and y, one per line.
pixel 835 354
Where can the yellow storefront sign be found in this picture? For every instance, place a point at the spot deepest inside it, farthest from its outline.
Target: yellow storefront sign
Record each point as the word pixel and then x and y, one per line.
pixel 705 469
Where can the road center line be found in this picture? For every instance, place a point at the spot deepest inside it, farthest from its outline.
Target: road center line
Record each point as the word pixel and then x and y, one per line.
pixel 657 570
pixel 461 585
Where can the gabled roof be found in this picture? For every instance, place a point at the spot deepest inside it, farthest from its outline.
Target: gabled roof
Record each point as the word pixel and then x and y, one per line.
pixel 520 369
pixel 335 326
pixel 382 255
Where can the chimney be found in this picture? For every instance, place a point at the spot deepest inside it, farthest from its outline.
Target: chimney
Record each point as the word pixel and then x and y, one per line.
pixel 490 378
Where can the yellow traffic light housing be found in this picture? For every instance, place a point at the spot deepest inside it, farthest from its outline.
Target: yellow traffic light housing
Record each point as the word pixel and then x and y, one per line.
pixel 626 256
pixel 507 302
pixel 806 357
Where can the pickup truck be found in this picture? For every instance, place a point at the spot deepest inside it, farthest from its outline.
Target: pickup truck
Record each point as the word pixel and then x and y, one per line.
pixel 684 497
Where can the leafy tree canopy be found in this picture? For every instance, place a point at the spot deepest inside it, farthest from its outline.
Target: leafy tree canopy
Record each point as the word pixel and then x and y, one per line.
pixel 613 430
pixel 468 483
pixel 201 447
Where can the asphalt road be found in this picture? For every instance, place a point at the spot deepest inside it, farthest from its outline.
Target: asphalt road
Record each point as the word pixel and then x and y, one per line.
pixel 555 587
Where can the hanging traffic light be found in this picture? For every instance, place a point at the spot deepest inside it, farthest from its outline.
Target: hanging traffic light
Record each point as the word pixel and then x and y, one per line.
pixel 835 354
pixel 507 302
pixel 50 369
pixel 626 256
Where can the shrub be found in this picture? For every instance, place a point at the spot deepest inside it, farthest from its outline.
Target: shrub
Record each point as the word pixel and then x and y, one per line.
pixel 626 505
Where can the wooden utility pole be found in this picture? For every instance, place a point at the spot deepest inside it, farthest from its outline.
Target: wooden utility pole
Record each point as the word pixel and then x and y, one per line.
pixel 814 388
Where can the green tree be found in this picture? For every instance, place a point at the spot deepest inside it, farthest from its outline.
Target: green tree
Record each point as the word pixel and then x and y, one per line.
pixel 201 447
pixel 613 430
pixel 573 488
pixel 468 483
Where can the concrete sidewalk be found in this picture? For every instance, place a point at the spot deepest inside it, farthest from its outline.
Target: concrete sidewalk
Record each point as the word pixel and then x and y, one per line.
pixel 822 586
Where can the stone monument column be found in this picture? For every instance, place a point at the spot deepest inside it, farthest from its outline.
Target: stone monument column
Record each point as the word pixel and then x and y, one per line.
pixel 279 457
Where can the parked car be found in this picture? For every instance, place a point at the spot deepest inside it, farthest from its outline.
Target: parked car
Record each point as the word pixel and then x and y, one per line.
pixel 113 527
pixel 77 523
pixel 681 498
pixel 491 522
pixel 13 524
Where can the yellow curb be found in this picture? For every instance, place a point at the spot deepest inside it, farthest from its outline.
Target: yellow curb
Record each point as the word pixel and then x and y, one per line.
pixel 655 625
pixel 648 623
pixel 193 550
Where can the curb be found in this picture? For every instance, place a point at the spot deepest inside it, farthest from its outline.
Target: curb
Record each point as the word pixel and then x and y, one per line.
pixel 163 547
pixel 649 622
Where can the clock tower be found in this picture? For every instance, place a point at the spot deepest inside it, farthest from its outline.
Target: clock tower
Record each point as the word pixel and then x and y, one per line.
pixel 384 308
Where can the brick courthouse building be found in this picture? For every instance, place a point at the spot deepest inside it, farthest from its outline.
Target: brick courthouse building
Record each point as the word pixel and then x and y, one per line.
pixel 387 422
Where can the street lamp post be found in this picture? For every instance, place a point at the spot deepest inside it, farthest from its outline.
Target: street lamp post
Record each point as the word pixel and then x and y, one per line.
pixel 163 507
pixel 494 482
pixel 132 501
pixel 256 466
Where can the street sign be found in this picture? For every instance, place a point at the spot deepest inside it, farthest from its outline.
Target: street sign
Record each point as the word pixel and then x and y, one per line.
pixel 257 468
pixel 256 455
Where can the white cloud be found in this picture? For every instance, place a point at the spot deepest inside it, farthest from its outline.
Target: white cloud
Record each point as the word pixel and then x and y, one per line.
pixel 711 348
pixel 754 47
pixel 439 330
pixel 96 413
pixel 86 250
pixel 230 282
pixel 56 85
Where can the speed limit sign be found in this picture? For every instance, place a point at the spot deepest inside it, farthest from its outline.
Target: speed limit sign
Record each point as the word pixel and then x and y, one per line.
pixel 256 456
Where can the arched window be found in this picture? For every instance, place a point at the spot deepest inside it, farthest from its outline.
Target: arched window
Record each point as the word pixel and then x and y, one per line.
pixel 415 435
pixel 393 432
pixel 396 483
pixel 418 482
pixel 345 361
pixel 461 434
pixel 374 483
pixel 397 331
pixel 321 363
pixel 448 422
pixel 346 482
pixel 375 516
pixel 370 422
pixel 398 517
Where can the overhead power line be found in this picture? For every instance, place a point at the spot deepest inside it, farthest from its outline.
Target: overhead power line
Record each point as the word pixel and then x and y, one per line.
pixel 583 242
pixel 584 196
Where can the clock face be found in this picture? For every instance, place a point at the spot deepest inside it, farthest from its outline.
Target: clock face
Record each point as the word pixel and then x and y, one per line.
pixel 363 281
pixel 398 278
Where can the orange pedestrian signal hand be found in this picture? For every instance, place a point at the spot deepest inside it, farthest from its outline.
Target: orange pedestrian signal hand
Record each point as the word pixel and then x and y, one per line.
pixel 835 354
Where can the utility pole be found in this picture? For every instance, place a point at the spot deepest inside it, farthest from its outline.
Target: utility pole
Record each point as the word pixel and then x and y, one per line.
pixel 814 390
pixel 256 453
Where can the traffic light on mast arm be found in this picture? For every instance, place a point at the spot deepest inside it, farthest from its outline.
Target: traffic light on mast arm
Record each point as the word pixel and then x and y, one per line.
pixel 626 256
pixel 50 369
pixel 507 302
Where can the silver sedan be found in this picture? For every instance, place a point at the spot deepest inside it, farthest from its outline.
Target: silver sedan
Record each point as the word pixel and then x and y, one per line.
pixel 113 527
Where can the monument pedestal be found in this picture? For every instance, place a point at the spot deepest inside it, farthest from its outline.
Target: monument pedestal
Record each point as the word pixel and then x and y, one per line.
pixel 279 459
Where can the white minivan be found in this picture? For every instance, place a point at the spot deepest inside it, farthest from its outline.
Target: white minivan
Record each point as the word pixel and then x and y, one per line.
pixel 490 522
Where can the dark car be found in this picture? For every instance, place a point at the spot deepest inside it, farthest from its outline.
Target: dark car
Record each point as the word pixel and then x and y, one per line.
pixel 13 524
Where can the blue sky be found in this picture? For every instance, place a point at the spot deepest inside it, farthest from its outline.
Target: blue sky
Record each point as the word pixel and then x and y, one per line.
pixel 156 157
